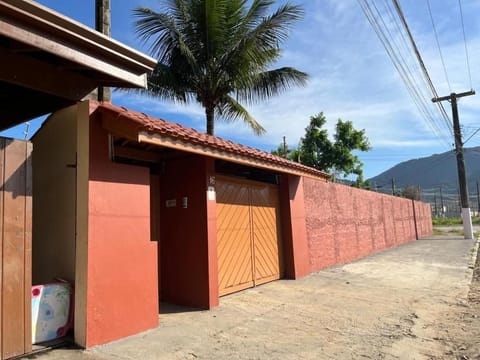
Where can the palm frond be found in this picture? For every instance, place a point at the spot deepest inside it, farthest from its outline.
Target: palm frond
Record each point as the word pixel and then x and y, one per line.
pixel 164 33
pixel 274 29
pixel 232 110
pixel 164 84
pixel 256 12
pixel 258 46
pixel 272 82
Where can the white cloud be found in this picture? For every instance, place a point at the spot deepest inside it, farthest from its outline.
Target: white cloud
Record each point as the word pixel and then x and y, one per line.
pixel 351 77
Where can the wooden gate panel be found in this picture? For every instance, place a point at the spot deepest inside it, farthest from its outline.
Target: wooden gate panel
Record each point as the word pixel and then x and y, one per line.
pixel 27 230
pixel 15 314
pixel 266 233
pixel 234 247
pixel 2 182
pixel 248 236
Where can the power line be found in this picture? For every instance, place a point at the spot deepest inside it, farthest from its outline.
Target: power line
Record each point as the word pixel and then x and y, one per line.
pixel 375 18
pixel 476 131
pixel 421 63
pixel 425 105
pixel 438 45
pixel 465 41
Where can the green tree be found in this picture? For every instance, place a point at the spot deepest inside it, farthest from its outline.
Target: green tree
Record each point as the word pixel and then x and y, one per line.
pixel 282 151
pixel 411 192
pixel 318 151
pixel 218 53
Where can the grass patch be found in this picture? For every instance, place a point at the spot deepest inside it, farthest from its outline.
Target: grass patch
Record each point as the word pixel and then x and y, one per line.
pixel 440 231
pixel 453 221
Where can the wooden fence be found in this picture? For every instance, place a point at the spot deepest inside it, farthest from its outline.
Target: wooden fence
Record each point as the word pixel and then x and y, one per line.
pixel 15 247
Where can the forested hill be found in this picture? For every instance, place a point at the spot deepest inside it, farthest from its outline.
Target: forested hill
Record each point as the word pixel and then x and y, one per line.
pixel 431 173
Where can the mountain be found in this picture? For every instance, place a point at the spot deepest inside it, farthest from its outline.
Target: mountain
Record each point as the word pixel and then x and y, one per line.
pixel 436 176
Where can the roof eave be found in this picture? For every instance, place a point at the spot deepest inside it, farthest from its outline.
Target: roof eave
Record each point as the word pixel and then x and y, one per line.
pixel 130 127
pixel 178 144
pixel 39 27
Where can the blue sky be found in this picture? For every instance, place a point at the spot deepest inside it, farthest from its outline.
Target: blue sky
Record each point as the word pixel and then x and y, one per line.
pixel 351 77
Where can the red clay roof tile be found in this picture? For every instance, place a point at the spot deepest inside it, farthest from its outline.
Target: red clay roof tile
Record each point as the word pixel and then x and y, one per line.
pixel 144 122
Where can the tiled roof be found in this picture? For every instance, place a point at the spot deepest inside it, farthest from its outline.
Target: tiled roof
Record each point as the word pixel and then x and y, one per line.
pixel 146 123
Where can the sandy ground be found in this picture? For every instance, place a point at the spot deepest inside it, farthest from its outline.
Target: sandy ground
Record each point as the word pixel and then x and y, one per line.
pixel 416 301
pixel 460 332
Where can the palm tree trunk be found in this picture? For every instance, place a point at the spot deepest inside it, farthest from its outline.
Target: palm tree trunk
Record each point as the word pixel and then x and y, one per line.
pixel 210 112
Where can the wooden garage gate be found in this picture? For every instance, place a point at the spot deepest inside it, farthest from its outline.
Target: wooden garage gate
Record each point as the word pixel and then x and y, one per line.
pixel 248 234
pixel 15 247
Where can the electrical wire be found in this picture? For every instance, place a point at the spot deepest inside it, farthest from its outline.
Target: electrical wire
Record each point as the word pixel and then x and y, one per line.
pixel 414 73
pixel 476 131
pixel 465 41
pixel 438 46
pixel 404 69
pixel 421 62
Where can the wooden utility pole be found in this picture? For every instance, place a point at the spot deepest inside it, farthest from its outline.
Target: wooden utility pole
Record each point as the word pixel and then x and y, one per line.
pixel 393 187
pixel 462 177
pixel 103 25
pixel 478 200
pixel 441 201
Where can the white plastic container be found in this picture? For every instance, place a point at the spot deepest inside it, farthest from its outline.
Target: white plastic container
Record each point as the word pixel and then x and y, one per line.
pixel 52 311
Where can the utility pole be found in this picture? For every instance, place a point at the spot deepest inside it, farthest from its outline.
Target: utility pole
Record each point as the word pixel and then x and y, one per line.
pixel 393 186
pixel 103 25
pixel 478 201
pixel 462 178
pixel 441 201
pixel 284 147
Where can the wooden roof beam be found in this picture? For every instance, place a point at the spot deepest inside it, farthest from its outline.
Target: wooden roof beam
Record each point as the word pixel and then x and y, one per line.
pixel 118 127
pixel 24 71
pixel 136 154
pixel 34 25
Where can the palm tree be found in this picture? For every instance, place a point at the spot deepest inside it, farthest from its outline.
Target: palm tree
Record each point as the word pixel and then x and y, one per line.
pixel 218 53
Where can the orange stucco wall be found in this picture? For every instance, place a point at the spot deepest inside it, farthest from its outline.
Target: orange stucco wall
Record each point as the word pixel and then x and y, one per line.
pixel 122 280
pixel 188 234
pixel 344 223
pixel 295 242
pixel 423 218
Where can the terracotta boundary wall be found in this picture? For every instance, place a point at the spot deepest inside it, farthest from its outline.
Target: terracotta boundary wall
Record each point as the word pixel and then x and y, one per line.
pixel 345 223
pixel 423 218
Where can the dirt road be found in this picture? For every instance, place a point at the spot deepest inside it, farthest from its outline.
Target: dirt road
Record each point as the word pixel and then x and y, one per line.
pixel 406 303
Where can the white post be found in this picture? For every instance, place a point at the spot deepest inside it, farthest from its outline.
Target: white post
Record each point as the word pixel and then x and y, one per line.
pixel 467 223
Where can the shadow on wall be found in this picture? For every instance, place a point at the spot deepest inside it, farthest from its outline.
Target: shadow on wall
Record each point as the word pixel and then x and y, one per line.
pixel 15 159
